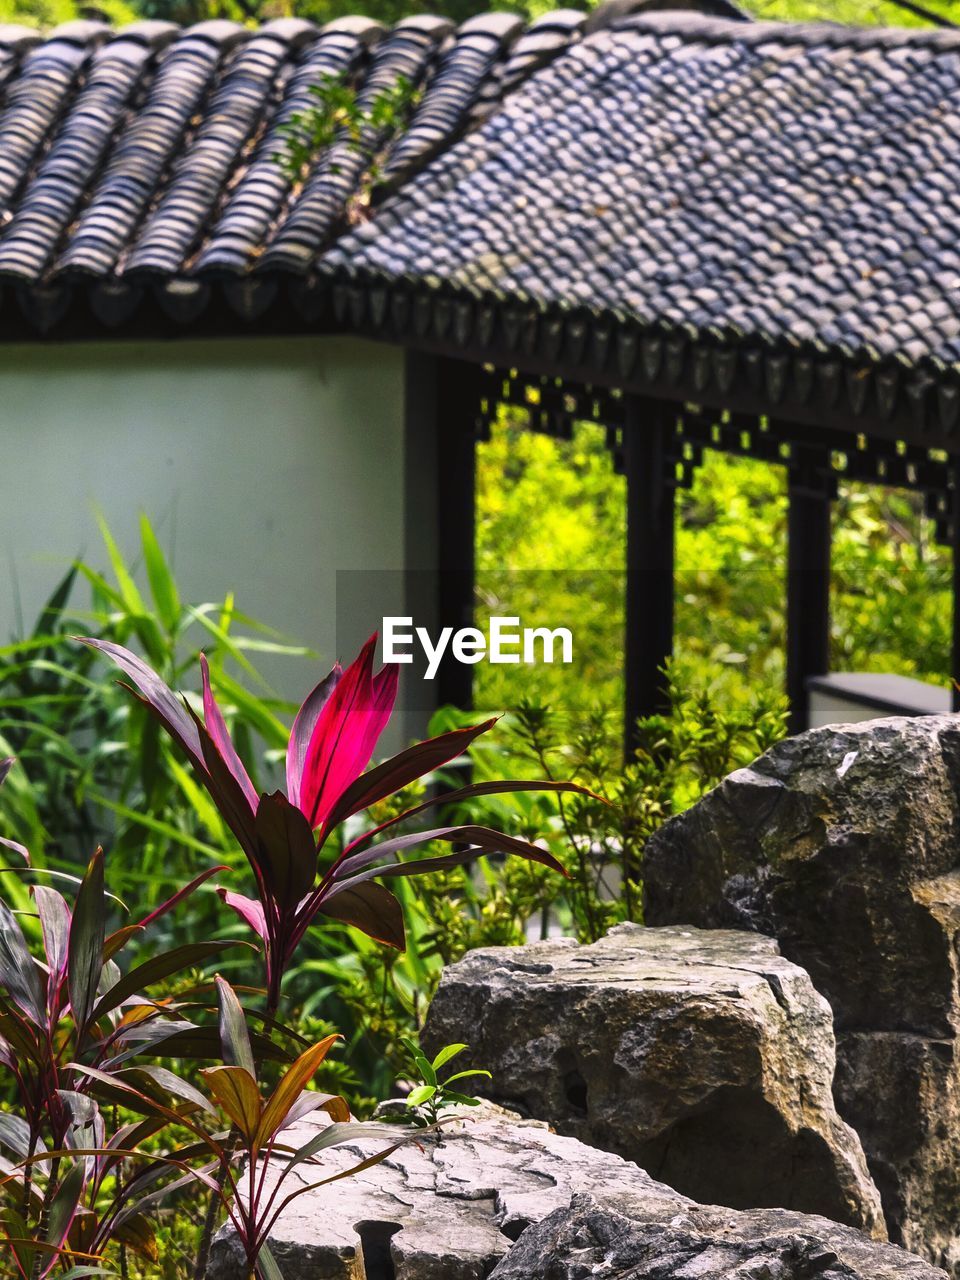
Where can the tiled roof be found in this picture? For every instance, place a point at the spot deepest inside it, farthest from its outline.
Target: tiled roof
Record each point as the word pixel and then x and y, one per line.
pixel 793 185
pixel 790 185
pixel 148 153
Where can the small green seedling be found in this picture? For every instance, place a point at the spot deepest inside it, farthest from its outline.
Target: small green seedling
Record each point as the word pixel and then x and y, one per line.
pixel 432 1095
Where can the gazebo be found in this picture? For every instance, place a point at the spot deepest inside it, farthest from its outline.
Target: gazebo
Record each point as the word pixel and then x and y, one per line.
pixel 697 231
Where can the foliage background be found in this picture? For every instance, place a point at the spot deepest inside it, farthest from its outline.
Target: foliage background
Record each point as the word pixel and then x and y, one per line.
pixel 47 13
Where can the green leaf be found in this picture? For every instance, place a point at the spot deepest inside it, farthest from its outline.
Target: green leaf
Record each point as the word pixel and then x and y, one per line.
pixel 422 1093
pixel 131 597
pixel 463 1075
pixel 446 1053
pixel 267 1265
pixel 460 1099
pixel 162 583
pixel 87 936
pixel 234 1037
pixel 425 1068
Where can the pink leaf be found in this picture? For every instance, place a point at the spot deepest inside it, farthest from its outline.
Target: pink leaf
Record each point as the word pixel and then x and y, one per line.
pixel 303 728
pixel 217 729
pixel 248 909
pixel 346 733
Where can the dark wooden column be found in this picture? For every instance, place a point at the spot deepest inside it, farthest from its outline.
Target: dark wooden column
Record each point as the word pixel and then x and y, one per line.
pixel 808 585
pixel 650 560
pixel 458 388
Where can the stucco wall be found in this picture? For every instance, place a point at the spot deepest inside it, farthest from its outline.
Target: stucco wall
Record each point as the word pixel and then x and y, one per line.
pixel 266 465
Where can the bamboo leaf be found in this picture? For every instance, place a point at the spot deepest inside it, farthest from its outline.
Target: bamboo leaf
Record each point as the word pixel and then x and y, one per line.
pixel 162 584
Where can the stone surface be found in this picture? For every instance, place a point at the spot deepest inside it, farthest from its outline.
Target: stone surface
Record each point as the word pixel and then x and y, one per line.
pixel 844 843
pixel 595 1239
pixel 453 1210
pixel 438 1211
pixel 704 1056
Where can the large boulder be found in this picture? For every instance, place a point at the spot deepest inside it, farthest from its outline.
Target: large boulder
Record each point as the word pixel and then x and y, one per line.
pixel 591 1238
pixel 704 1056
pixel 452 1210
pixel 844 844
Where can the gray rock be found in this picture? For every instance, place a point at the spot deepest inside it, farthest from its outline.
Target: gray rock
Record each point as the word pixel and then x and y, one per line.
pixel 446 1210
pixel 590 1238
pixel 844 843
pixel 704 1056
pixel 452 1211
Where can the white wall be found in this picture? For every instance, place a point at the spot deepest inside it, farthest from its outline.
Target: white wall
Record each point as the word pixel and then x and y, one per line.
pixel 266 464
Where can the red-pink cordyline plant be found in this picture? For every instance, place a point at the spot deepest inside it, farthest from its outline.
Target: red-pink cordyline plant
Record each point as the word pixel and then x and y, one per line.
pixel 331 744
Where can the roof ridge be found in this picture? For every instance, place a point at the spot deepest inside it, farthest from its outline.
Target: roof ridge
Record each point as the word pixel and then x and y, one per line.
pixel 690 24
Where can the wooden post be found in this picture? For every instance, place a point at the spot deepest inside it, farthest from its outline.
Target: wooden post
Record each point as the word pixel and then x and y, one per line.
pixel 808 587
pixel 458 385
pixel 650 561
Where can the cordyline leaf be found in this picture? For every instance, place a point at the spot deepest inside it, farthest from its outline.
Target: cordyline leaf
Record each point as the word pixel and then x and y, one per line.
pixel 287 849
pixel 234 1035
pixel 303 728
pixel 469 793
pixel 236 1091
pixel 119 1092
pixel 15 1134
pixel 55 925
pixel 335 1107
pixel 65 1204
pixel 16 1234
pixel 227 793
pixel 18 972
pixel 15 1027
pixel 249 910
pixel 138 1234
pixel 5 767
pixel 336 1134
pixel 87 936
pixel 332 1139
pixel 346 733
pixel 144 1202
pixel 292 1084
pixel 19 849
pixel 155 970
pixel 370 908
pixel 169 1083
pixel 217 728
pixel 179 896
pixel 184 1040
pixel 422 866
pixel 484 838
pixel 114 943
pixel 155 694
pixel 402 769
